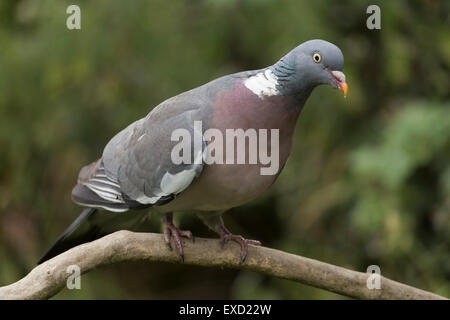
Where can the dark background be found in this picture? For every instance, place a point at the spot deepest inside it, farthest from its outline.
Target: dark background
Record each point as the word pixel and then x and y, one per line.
pixel 369 178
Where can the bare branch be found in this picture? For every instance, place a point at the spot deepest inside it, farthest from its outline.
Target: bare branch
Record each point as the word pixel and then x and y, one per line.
pixel 49 278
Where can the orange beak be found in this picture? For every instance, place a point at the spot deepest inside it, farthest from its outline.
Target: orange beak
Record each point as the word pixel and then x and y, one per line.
pixel 339 78
pixel 344 88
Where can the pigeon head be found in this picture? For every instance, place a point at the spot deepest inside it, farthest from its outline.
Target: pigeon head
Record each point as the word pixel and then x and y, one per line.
pixel 312 63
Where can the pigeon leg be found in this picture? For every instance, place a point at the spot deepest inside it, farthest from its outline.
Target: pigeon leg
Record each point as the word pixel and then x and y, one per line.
pixel 170 230
pixel 215 223
pixel 226 235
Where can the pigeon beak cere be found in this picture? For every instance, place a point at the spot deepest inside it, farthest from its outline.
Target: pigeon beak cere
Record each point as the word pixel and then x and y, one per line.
pixel 339 79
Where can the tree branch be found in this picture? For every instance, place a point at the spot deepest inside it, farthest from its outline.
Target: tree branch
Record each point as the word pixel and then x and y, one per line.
pixel 49 278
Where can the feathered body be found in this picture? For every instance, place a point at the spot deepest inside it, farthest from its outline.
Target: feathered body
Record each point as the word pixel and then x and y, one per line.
pixel 136 170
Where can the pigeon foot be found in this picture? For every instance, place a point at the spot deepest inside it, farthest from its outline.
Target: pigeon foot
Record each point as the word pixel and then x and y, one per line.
pixel 226 235
pixel 171 231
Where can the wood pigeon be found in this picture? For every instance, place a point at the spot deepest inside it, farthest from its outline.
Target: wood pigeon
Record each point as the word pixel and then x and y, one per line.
pixel 137 169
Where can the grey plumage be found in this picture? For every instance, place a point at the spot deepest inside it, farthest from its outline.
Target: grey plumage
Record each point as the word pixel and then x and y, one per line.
pixel 136 170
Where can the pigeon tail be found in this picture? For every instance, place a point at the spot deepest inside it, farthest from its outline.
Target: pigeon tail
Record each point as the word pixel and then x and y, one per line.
pixel 65 242
pixel 93 224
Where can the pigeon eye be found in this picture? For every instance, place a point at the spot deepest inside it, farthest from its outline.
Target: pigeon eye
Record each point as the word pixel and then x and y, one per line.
pixel 317 57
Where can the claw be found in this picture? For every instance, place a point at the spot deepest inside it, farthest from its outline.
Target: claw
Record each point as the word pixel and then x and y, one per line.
pixel 227 236
pixel 171 231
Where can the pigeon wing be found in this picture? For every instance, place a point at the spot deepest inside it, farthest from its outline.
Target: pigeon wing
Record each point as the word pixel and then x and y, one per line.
pixel 136 169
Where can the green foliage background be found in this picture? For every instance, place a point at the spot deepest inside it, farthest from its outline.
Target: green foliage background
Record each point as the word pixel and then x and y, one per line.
pixel 369 179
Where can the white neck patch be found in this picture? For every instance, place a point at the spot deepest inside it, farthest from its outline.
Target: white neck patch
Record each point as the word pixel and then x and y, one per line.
pixel 263 84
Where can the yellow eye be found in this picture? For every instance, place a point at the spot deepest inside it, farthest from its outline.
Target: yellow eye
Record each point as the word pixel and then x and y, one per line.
pixel 317 57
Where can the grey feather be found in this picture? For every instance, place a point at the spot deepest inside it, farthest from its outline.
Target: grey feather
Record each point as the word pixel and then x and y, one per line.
pixel 136 170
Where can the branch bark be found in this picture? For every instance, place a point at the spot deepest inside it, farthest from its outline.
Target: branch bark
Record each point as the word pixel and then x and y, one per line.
pixel 49 278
